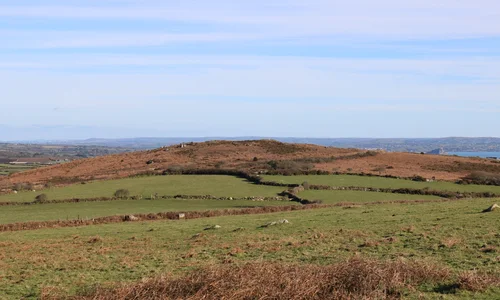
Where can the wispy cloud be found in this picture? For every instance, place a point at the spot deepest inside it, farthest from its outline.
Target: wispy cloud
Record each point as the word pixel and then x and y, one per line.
pixel 218 65
pixel 382 19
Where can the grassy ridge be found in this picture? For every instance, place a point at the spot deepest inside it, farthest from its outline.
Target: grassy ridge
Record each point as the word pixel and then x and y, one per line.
pixel 454 234
pixel 215 185
pixel 379 182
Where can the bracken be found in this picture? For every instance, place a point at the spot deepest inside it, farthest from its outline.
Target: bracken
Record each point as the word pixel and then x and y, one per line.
pixel 356 278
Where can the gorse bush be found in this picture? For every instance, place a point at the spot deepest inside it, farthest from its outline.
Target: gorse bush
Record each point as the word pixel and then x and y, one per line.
pixel 306 185
pixel 480 177
pixel 41 198
pixel 23 187
pixel 122 193
pixel 418 178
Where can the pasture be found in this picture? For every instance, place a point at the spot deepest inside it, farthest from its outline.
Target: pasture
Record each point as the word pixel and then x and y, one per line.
pixel 330 197
pixel 90 210
pixel 379 182
pixel 70 261
pixel 215 185
pixel 7 169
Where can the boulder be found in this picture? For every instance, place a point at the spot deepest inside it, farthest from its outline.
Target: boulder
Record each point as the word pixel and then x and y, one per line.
pixel 213 227
pixel 284 221
pixel 128 218
pixel 491 208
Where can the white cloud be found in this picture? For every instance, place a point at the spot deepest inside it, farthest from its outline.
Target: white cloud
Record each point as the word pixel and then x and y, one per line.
pixel 380 19
pixel 60 78
pixel 469 68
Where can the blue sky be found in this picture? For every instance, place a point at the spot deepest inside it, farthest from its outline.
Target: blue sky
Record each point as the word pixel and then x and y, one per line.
pixel 317 68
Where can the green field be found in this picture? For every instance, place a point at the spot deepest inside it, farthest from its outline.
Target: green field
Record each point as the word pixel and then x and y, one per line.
pixel 89 210
pixel 451 234
pixel 379 182
pixel 214 185
pixel 330 197
pixel 7 169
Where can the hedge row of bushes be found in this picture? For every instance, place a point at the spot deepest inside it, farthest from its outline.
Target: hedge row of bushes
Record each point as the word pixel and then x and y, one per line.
pixel 258 180
pixel 479 177
pixel 43 199
pixel 408 191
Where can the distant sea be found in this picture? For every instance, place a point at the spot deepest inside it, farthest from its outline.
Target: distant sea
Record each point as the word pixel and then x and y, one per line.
pixel 476 154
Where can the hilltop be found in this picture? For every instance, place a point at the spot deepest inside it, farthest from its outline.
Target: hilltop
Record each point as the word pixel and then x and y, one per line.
pixel 448 144
pixel 255 156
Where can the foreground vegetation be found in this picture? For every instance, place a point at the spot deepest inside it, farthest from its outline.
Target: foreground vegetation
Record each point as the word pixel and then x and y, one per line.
pixel 384 245
pixel 70 260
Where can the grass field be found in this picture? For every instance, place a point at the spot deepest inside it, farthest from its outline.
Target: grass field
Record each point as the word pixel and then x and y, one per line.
pixel 67 261
pixel 452 234
pixel 163 185
pixel 7 169
pixel 379 182
pixel 89 210
pixel 329 197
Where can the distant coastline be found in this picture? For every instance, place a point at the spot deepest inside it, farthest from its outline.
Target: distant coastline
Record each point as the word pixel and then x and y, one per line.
pixel 476 154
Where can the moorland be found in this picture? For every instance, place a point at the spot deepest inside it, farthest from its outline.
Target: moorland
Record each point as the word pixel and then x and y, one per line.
pixel 252 219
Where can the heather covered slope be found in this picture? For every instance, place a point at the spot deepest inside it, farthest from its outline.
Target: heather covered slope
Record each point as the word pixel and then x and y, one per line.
pixel 263 155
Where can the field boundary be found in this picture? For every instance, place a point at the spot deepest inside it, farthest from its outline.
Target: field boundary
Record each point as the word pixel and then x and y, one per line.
pixel 255 179
pixel 186 215
pixel 139 198
pixel 408 191
pixel 258 180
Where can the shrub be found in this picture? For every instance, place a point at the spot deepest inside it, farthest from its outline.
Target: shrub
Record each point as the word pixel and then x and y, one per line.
pixel 41 198
pixel 23 187
pixel 379 169
pixel 354 279
pixel 477 282
pixel 122 193
pixel 306 185
pixel 418 178
pixel 174 169
pixel 480 177
pixel 18 187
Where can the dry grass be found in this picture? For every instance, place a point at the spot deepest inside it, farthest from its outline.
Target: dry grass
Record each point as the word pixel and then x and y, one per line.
pixel 477 282
pixel 450 242
pixel 488 249
pixel 354 279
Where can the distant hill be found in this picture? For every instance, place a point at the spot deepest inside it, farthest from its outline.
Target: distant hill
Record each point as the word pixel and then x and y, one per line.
pixel 450 144
pixel 255 156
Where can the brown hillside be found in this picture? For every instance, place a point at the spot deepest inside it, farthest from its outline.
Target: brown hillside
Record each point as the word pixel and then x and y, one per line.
pixel 241 154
